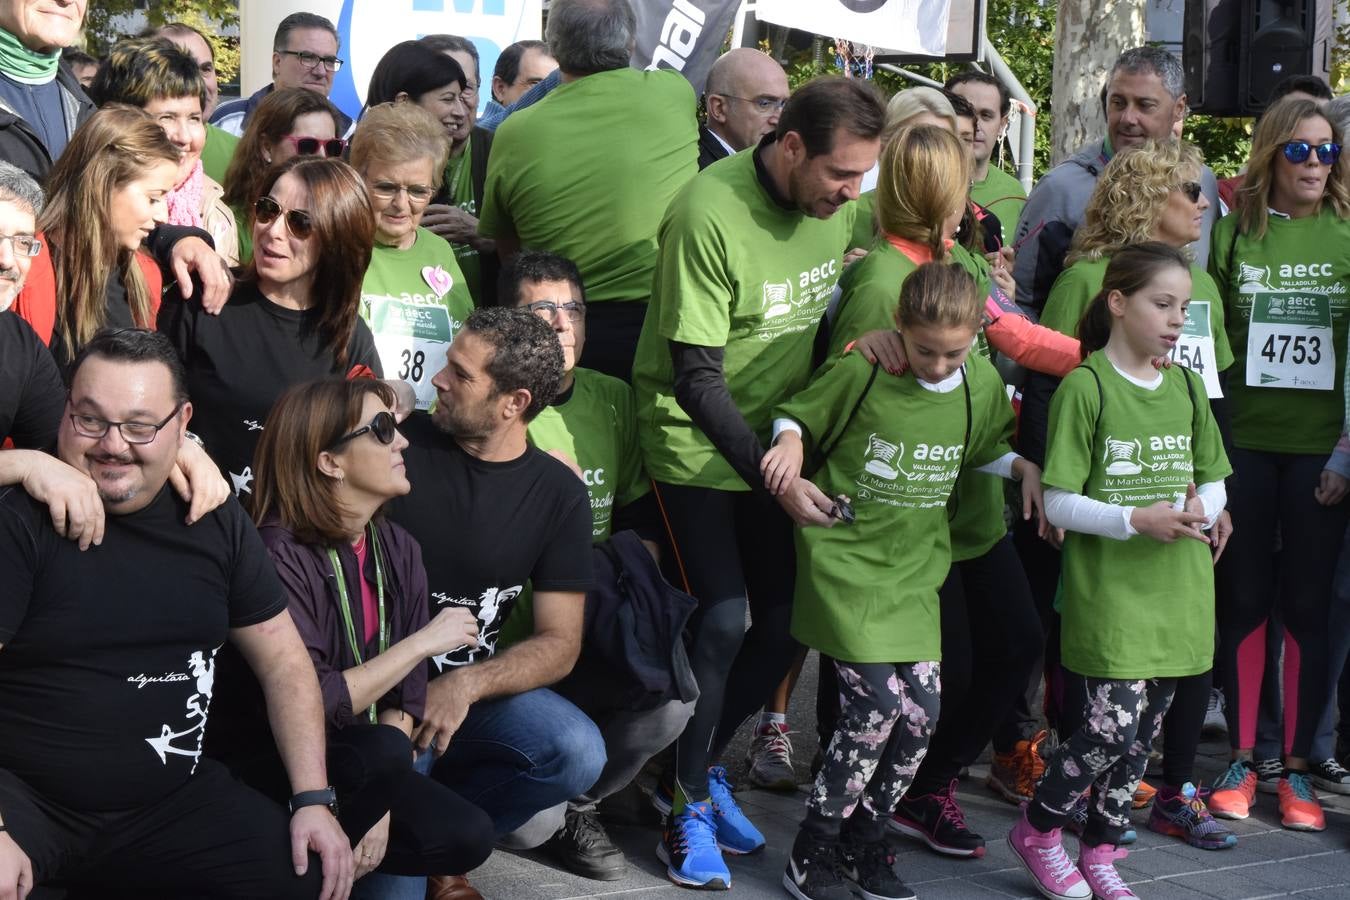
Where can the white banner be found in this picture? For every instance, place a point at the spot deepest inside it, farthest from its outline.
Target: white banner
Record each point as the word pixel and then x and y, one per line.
pixel 903 26
pixel 368 28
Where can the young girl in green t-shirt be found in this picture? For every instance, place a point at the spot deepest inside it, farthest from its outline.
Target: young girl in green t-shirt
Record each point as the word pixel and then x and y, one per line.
pixel 1127 446
pixel 890 449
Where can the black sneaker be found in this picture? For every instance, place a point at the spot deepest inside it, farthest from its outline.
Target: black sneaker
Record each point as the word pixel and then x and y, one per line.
pixel 1330 775
pixel 870 868
pixel 1268 775
pixel 937 820
pixel 583 847
pixel 813 871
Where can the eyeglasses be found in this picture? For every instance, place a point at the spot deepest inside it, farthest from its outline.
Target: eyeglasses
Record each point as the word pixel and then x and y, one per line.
pixel 132 432
pixel 1299 151
pixel 266 210
pixel 470 90
pixel 310 60
pixel 23 244
pixel 310 146
pixel 388 190
pixel 548 309
pixel 1191 189
pixel 763 104
pixel 383 427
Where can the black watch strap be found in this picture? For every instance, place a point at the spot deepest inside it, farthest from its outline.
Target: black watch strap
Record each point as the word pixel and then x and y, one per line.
pixel 322 797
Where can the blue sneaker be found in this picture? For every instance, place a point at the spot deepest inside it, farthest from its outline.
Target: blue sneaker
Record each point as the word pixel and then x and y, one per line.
pixel 689 849
pixel 735 833
pixel 1078 821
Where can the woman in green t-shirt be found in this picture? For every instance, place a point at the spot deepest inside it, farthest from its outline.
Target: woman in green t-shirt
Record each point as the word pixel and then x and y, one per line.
pixel 1128 445
pixel 896 446
pixel 1282 266
pixel 413 296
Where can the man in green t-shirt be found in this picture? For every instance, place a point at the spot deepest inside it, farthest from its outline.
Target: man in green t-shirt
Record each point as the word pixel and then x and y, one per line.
pixel 991 187
pixel 750 252
pixel 588 172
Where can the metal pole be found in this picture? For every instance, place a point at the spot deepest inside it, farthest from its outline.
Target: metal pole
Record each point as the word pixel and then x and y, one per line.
pixel 1026 149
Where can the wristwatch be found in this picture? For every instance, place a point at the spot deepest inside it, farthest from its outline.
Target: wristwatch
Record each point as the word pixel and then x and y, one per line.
pixel 322 797
pixel 195 439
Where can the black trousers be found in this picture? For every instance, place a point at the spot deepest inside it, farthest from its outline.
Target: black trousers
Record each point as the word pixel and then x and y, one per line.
pixel 432 829
pixel 212 837
pixel 612 330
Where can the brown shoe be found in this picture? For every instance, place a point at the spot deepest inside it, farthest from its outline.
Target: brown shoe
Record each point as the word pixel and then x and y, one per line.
pixel 451 887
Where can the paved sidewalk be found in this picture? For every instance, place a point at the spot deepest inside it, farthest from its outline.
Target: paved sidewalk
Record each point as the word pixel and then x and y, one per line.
pixel 1267 862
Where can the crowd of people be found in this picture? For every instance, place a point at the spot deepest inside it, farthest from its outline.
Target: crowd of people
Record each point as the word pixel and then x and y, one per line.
pixel 439 457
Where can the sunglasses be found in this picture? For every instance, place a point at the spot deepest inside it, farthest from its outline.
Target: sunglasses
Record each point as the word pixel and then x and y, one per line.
pixel 310 146
pixel 266 210
pixel 1191 189
pixel 1299 151
pixel 382 426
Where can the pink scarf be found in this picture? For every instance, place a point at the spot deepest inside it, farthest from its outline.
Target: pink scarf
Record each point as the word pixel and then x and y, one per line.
pixel 185 201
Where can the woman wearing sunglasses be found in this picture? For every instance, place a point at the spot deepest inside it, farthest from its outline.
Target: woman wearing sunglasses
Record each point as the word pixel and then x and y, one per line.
pixel 329 459
pixel 292 314
pixel 158 77
pixel 1148 193
pixel 1282 263
pixel 104 196
pixel 413 72
pixel 287 123
pixel 399 150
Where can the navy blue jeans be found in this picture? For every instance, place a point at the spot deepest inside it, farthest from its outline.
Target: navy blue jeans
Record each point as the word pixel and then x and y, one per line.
pixel 515 756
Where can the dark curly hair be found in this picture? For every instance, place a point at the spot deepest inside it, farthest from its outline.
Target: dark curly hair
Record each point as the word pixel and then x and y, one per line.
pixel 525 353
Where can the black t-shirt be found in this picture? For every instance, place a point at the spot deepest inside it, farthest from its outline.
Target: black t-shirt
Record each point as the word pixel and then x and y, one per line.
pixel 109 654
pixel 239 362
pixel 488 528
pixel 32 395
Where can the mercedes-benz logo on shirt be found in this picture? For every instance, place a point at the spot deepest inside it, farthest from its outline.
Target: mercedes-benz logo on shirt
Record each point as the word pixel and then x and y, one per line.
pixel 862 6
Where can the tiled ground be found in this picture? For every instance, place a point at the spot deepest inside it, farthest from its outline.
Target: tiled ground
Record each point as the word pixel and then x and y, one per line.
pixel 1268 861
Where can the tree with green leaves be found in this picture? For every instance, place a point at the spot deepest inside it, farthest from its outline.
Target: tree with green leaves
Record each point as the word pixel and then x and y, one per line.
pixel 210 17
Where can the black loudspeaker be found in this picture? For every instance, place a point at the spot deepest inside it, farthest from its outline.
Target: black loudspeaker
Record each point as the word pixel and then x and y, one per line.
pixel 1236 51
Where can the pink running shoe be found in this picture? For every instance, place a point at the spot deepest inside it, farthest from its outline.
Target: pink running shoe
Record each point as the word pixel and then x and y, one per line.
pixel 1098 868
pixel 1043 856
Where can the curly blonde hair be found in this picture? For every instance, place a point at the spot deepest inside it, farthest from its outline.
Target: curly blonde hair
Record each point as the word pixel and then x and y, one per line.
pixel 1130 196
pixel 1276 128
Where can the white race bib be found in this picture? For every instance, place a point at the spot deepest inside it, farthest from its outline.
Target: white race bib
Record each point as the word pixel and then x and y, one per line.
pixel 1289 342
pixel 1195 348
pixel 411 339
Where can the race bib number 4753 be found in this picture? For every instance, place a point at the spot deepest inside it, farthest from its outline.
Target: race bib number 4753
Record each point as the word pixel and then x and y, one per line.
pixel 1289 342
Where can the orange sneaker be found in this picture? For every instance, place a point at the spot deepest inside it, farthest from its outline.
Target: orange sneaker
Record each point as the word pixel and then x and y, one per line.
pixel 1143 795
pixel 1014 774
pixel 1234 792
pixel 1300 810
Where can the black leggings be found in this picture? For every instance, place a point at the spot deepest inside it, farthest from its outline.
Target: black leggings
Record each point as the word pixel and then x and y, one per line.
pixel 1270 494
pixel 732 549
pixel 991 640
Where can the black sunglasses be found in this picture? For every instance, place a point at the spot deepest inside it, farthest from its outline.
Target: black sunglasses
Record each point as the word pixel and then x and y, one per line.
pixel 310 146
pixel 1192 190
pixel 1299 151
pixel 382 426
pixel 266 210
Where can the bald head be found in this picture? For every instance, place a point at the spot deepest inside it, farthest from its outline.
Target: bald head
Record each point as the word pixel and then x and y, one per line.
pixel 745 94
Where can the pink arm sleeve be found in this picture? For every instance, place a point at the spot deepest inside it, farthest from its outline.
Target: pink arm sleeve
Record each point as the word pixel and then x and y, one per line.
pixel 1033 346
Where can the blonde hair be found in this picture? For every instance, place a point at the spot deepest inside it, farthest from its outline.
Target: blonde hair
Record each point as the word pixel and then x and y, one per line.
pixel 942 295
pixel 117 145
pixel 924 177
pixel 1276 128
pixel 399 133
pixel 1130 196
pixel 914 102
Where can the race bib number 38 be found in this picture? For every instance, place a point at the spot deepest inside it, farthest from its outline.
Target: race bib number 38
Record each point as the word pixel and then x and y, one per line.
pixel 411 339
pixel 1195 348
pixel 1289 342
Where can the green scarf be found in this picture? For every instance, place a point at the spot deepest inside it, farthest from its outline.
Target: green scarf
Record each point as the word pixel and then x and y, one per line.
pixel 26 66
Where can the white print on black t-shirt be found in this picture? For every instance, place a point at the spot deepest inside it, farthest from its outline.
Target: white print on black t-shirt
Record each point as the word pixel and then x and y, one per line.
pixel 490 616
pixel 253 425
pixel 202 669
pixel 242 481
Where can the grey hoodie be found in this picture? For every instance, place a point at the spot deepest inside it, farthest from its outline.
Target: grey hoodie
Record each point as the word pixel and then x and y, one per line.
pixel 1055 208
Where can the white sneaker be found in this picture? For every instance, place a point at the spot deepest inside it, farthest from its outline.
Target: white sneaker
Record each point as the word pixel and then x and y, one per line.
pixel 1215 723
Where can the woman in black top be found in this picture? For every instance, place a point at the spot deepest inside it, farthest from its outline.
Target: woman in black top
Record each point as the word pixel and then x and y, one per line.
pixel 292 316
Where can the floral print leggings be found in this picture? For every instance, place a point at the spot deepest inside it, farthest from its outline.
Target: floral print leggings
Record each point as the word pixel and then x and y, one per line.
pixel 887 713
pixel 1108 754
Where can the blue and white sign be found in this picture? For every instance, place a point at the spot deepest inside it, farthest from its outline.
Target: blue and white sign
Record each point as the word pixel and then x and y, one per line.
pixel 368 28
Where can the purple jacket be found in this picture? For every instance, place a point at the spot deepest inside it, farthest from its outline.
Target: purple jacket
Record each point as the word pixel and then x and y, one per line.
pixel 313 602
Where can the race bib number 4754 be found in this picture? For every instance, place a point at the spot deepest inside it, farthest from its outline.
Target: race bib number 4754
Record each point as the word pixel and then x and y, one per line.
pixel 1289 342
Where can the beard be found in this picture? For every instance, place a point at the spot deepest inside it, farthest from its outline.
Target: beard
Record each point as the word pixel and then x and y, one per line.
pixel 463 424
